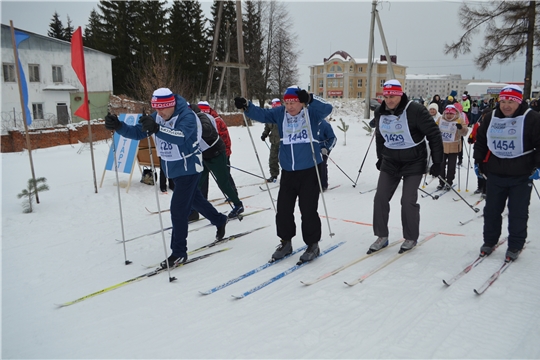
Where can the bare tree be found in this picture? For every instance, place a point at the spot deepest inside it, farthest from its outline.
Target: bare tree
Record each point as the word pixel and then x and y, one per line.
pixel 516 34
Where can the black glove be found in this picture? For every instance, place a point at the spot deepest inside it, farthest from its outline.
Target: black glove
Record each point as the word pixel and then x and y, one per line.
pixel 263 137
pixel 459 126
pixel 435 170
pixel 372 123
pixel 378 164
pixel 470 140
pixel 304 96
pixel 149 124
pixel 240 103
pixel 112 122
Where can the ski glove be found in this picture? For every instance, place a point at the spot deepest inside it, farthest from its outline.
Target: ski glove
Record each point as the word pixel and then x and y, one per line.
pixel 324 151
pixel 378 164
pixel 535 175
pixel 304 96
pixel 459 126
pixel 149 124
pixel 240 103
pixel 470 140
pixel 435 169
pixel 112 122
pixel 263 137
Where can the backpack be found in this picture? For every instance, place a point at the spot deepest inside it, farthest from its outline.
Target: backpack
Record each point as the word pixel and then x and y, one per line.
pixel 147 176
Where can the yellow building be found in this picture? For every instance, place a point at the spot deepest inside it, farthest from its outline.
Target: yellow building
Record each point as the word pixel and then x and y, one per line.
pixel 343 77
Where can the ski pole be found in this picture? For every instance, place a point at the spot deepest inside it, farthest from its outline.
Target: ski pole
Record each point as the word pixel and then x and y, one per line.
pixel 171 278
pixel 259 161
pixel 459 178
pixel 341 169
pixel 468 167
pixel 247 172
pixel 306 113
pixel 365 156
pixel 224 195
pixel 434 197
pixel 268 146
pixel 126 261
pixel 454 190
pixel 535 189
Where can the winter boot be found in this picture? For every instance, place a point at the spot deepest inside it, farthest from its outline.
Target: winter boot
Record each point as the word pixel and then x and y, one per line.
pixel 238 209
pixel 271 179
pixel 486 249
pixel 311 253
pixel 407 245
pixel 512 254
pixel 220 233
pixel 380 243
pixel 477 191
pixel 283 249
pixel 440 186
pixel 173 261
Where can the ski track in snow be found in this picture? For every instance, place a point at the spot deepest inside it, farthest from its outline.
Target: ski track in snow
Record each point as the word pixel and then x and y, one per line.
pixel 67 249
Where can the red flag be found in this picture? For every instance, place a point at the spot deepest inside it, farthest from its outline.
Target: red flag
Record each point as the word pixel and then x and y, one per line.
pixel 77 63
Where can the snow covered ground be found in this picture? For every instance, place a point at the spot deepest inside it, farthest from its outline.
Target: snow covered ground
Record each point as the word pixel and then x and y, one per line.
pixel 66 249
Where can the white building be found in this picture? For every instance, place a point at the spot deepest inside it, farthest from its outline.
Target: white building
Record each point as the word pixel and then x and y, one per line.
pixel 54 91
pixel 426 86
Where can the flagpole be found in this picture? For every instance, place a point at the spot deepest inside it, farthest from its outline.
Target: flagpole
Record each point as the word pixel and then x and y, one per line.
pixel 77 63
pixel 28 144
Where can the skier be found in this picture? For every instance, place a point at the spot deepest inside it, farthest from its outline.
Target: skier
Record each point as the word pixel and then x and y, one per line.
pixel 271 131
pixel 401 130
pixel 175 129
pixel 452 130
pixel 507 153
pixel 298 176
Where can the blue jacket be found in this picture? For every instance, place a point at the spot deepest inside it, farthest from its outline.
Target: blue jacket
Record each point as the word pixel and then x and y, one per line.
pixel 294 157
pixel 183 135
pixel 326 136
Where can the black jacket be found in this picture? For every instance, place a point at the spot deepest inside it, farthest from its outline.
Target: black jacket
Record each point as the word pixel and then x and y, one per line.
pixel 410 161
pixel 210 135
pixel 523 165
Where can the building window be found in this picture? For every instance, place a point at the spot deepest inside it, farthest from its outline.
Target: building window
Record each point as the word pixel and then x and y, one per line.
pixel 351 68
pixel 321 83
pixel 9 72
pixel 360 69
pixel 382 82
pixel 57 74
pixel 359 94
pixel 339 68
pixel 37 111
pixel 359 84
pixel 33 73
pixel 332 69
pixel 350 83
pixel 321 70
pixel 340 83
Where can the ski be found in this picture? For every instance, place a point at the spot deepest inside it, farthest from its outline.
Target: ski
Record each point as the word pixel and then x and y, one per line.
pixel 140 277
pixel 388 262
pixel 197 229
pixel 472 265
pixel 349 264
pixel 249 273
pixel 216 242
pixel 495 276
pixel 271 188
pixel 286 272
pixel 368 191
pixel 223 202
pixel 471 219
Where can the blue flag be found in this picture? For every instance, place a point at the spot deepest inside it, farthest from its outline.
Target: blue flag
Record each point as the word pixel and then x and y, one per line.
pixel 20 37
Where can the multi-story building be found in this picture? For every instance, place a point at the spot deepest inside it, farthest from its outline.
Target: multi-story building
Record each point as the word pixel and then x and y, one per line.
pixel 344 77
pixel 426 86
pixel 54 91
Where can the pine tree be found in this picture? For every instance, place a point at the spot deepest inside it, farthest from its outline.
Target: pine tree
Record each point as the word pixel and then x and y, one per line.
pixel 91 32
pixel 68 30
pixel 56 28
pixel 253 40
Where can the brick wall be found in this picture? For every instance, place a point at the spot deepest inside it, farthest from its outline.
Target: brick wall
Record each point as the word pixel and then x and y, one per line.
pixel 15 141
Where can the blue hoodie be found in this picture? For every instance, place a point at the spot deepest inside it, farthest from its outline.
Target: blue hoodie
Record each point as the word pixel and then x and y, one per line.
pixel 179 133
pixel 296 156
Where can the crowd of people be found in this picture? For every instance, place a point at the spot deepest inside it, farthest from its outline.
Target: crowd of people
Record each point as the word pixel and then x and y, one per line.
pixel 411 140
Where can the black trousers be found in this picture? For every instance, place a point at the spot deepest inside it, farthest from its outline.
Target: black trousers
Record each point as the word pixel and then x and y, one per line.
pixel 410 209
pixel 448 171
pixel 304 185
pixel 517 190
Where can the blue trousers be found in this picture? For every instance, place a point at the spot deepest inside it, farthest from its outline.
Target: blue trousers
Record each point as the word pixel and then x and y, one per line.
pixel 517 190
pixel 185 196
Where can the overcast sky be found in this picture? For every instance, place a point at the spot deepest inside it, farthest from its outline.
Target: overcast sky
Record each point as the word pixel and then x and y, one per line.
pixel 415 31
